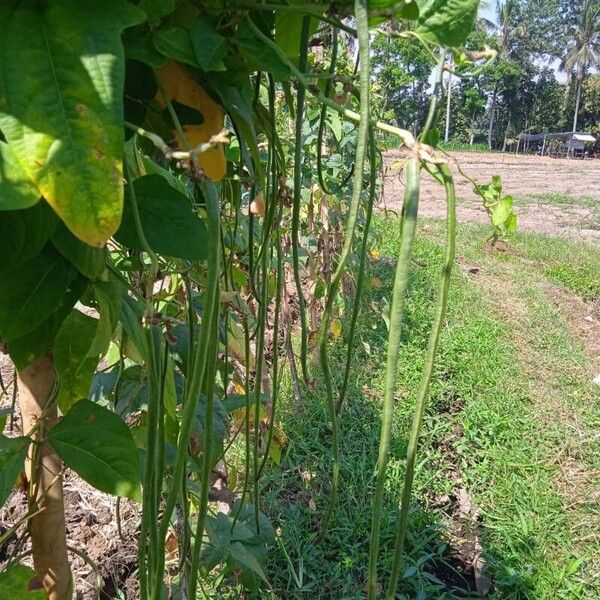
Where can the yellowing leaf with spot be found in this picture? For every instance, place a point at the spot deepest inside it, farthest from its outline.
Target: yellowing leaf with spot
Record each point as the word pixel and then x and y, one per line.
pixel 376 282
pixel 183 88
pixel 61 105
pixel 335 329
pixel 236 344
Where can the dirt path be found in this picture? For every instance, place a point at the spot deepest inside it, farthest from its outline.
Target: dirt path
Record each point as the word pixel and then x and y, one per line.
pixel 532 180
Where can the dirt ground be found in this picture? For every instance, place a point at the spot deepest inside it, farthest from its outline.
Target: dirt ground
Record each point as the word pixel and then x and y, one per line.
pixel 530 179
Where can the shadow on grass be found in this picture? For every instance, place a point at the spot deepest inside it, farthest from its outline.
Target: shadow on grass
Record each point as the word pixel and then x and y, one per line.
pixel 444 540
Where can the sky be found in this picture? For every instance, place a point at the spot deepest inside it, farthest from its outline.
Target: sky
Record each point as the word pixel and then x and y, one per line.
pixel 489 10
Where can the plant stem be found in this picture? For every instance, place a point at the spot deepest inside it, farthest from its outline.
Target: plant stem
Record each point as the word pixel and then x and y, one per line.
pixel 362 22
pixel 360 276
pixel 297 198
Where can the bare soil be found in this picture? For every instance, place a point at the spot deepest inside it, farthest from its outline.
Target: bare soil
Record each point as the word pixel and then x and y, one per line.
pixel 525 177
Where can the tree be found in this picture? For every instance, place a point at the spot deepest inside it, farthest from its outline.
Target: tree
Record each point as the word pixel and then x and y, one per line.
pixel 403 72
pixel 583 51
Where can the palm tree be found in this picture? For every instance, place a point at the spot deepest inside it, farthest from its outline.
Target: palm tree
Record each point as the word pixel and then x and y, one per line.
pixel 507 30
pixel 481 24
pixel 583 52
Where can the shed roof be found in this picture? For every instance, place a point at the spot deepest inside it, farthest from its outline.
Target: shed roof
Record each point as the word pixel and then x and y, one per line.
pixel 581 136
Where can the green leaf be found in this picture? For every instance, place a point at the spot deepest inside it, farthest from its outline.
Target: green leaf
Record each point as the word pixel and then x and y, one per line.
pixel 16 189
pixel 446 22
pixel 97 444
pixel 259 55
pixel 109 298
pixel 30 293
pixel 245 558
pixel 335 123
pixel 170 226
pixel 512 223
pixel 288 30
pixel 175 43
pixel 23 234
pixel 152 168
pixel 33 345
pixel 502 210
pixel 139 46
pixel 135 344
pixel 12 457
pixel 89 260
pixel 14 584
pixel 155 9
pixel 220 422
pixel 403 9
pixel 209 46
pixel 73 366
pixel 64 121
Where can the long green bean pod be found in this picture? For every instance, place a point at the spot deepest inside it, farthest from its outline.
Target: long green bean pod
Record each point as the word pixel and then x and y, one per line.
pixel 440 312
pixel 360 276
pixel 409 224
pixel 246 423
pixel 297 197
pixel 199 363
pixel 209 390
pixel 362 23
pixel 275 360
pixel 148 546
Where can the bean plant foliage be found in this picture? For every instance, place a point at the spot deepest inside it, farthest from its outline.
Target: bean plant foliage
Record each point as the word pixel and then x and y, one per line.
pixel 186 191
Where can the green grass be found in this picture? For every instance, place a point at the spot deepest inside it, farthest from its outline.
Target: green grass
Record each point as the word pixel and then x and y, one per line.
pixel 511 384
pixel 458 146
pixel 575 265
pixel 557 199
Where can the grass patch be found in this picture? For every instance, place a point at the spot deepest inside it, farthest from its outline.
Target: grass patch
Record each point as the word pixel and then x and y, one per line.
pixel 485 436
pixel 574 265
pixel 557 199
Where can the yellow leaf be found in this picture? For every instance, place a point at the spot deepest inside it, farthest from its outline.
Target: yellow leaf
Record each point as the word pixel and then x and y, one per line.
pixel 236 344
pixel 183 88
pixel 375 254
pixel 335 329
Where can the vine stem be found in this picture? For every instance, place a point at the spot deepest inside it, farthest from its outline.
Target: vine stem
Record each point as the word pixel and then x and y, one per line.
pixel 361 273
pixel 362 23
pixel 297 198
pixel 209 349
pixel 440 312
pixel 307 9
pixel 409 224
pixel 423 151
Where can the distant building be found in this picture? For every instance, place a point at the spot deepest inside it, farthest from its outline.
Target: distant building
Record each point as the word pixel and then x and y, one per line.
pixel 573 144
